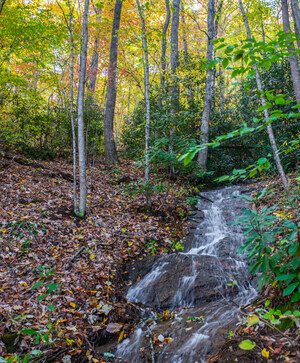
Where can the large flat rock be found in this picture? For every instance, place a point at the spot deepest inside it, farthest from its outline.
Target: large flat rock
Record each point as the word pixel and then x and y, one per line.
pixel 180 280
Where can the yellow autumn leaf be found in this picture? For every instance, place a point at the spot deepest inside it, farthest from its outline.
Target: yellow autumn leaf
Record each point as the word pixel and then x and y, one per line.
pixel 61 321
pixel 121 336
pixel 253 319
pixel 73 305
pixel 265 353
pixel 70 341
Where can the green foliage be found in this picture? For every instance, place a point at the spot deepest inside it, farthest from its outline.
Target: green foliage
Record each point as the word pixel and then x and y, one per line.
pixel 42 130
pixel 272 246
pixel 152 246
pixel 245 140
pixel 26 231
pixel 177 246
pixel 141 187
pixel 24 359
pixel 247 344
pixel 44 275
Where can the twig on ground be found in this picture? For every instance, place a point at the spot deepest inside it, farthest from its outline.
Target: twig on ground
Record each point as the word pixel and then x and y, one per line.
pixel 151 345
pixel 74 256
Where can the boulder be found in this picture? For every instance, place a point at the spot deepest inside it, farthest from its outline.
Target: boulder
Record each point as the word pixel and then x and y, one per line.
pixel 180 280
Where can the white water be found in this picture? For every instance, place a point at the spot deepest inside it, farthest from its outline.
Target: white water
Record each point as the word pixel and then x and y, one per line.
pixel 193 344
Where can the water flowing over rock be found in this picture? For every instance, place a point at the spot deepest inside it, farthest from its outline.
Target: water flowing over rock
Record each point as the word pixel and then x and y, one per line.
pixel 204 286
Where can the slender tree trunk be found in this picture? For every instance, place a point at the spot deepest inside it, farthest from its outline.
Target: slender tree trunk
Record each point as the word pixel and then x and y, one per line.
pixel 222 89
pixel 174 55
pixel 163 55
pixel 293 58
pixel 72 113
pixel 147 100
pixel 296 16
pixel 218 15
pixel 101 107
pixel 2 2
pixel 111 156
pixel 263 34
pixel 128 104
pixel 81 141
pixel 186 57
pixel 174 66
pixel 202 156
pixel 266 112
pixel 91 83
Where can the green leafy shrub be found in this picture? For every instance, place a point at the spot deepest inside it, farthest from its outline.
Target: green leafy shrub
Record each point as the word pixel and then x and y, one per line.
pixel 272 247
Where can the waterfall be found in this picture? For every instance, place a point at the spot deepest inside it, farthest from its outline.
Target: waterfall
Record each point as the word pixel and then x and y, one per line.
pixel 204 286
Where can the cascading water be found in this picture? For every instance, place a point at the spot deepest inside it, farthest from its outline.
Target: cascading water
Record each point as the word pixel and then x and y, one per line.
pixel 205 286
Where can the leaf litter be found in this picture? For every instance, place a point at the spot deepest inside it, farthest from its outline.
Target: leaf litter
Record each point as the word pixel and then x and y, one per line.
pixel 61 277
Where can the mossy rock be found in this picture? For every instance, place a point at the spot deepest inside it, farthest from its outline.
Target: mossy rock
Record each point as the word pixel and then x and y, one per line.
pixel 9 340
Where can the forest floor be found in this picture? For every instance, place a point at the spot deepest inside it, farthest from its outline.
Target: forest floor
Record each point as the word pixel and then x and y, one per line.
pixel 61 277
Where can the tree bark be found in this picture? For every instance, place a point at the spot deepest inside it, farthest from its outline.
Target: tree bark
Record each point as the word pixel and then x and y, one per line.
pixel 72 113
pixel 174 56
pixel 91 84
pixel 218 14
pixel 111 156
pixel 186 57
pixel 296 17
pixel 147 101
pixel 174 66
pixel 2 2
pixel 266 112
pixel 202 156
pixel 293 58
pixel 163 55
pixel 81 141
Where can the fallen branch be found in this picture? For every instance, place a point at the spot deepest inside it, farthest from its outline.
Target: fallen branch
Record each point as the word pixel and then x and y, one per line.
pixel 151 345
pixel 270 326
pixel 52 174
pixel 49 356
pixel 75 256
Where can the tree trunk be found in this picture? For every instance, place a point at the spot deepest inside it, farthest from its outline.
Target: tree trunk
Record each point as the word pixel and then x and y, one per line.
pixel 202 156
pixel 174 56
pixel 186 58
pixel 2 2
pixel 111 156
pixel 163 55
pixel 91 84
pixel 217 23
pixel 72 113
pixel 174 66
pixel 147 101
pixel 128 105
pixel 266 112
pixel 222 88
pixel 81 141
pixel 293 58
pixel 296 16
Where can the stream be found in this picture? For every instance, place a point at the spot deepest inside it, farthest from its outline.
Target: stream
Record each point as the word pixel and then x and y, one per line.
pixel 203 287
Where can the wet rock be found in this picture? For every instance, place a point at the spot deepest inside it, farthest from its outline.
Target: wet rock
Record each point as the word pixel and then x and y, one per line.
pixel 227 247
pixel 140 268
pixel 181 280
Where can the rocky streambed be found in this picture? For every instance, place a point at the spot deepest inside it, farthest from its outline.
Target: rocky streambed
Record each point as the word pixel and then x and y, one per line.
pixel 190 300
